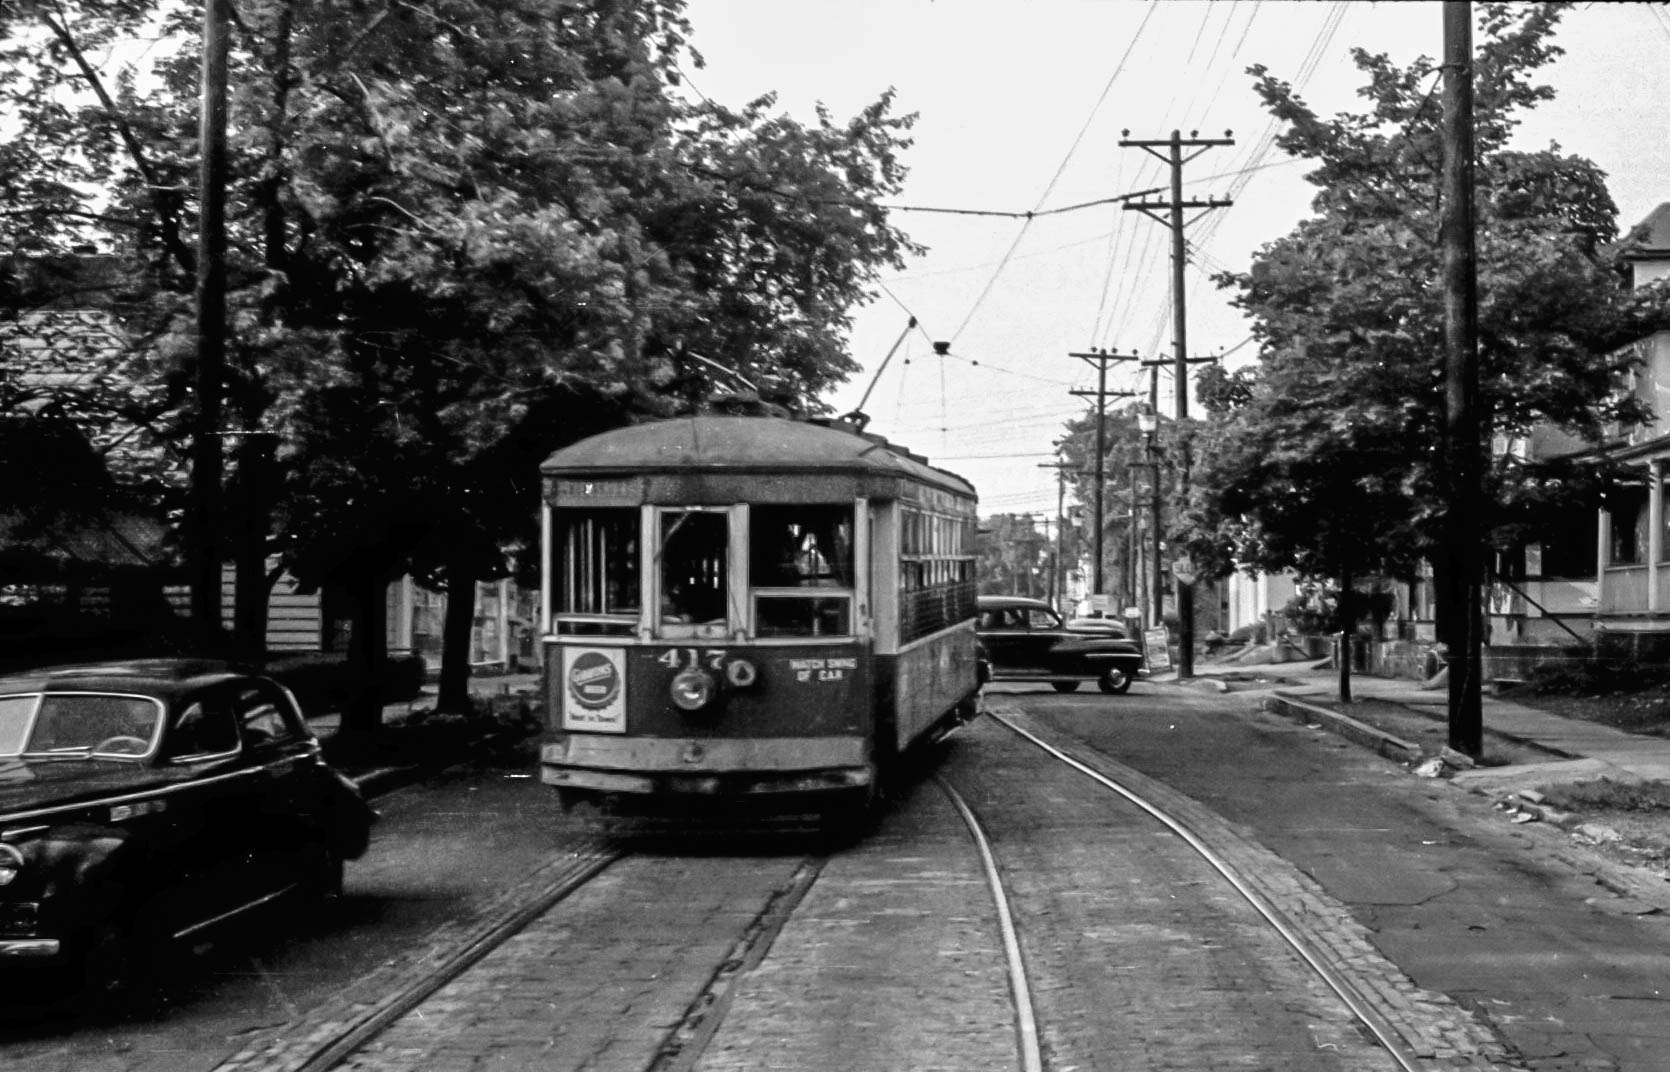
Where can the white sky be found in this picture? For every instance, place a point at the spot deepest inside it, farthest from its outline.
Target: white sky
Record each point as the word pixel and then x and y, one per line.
pixel 1020 108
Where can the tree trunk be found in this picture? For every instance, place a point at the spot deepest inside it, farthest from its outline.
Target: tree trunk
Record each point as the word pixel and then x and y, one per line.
pixel 455 638
pixel 1347 628
pixel 362 714
pixel 252 588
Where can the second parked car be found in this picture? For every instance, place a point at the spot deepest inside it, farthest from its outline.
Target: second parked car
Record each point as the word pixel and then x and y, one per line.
pixel 1025 640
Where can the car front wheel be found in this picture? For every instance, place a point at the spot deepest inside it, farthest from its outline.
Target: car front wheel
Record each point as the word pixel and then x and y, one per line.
pixel 1114 681
pixel 1064 686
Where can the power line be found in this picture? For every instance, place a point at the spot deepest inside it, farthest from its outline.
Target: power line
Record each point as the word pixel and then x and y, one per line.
pixel 1060 169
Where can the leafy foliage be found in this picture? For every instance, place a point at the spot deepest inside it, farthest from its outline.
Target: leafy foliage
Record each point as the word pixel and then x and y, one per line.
pixel 1325 457
pixel 462 234
pixel 1014 557
pixel 1127 489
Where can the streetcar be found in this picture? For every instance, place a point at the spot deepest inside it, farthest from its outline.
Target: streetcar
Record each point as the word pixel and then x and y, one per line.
pixel 748 614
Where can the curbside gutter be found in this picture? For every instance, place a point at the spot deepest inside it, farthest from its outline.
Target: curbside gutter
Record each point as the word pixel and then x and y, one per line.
pixel 1345 726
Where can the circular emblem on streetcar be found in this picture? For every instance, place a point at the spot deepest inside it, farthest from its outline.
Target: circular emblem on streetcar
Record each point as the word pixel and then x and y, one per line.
pixel 593 680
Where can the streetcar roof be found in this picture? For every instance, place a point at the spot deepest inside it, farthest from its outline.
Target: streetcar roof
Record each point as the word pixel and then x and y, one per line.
pixel 724 444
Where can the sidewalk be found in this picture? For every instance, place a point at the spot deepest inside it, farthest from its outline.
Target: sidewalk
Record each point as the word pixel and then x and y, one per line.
pixel 1589 750
pixel 377 778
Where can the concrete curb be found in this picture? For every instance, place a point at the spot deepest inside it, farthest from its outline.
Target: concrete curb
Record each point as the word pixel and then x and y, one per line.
pixel 1523 805
pixel 383 780
pixel 1345 726
pixel 380 781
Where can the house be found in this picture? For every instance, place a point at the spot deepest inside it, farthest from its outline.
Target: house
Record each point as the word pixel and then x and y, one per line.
pixel 1601 584
pixel 65 350
pixel 1632 578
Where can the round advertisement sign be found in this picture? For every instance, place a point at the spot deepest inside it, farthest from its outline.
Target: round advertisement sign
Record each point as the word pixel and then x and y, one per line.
pixel 593 680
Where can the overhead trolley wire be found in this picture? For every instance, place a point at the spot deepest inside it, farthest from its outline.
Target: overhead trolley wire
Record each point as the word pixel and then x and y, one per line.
pixel 1059 171
pixel 1241 177
pixel 1144 292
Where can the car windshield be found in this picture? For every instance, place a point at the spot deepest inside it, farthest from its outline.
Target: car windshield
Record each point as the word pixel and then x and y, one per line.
pixel 80 724
pixel 15 712
pixel 1043 618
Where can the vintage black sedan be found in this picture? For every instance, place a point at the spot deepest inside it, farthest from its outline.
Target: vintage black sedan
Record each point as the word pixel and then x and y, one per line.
pixel 1025 640
pixel 146 802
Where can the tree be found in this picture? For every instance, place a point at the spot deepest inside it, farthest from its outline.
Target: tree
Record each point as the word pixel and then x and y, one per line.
pixel 464 234
pixel 1014 557
pixel 1128 492
pixel 1325 456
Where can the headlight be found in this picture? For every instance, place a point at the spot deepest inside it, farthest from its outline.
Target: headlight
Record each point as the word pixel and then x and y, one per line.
pixel 693 689
pixel 11 863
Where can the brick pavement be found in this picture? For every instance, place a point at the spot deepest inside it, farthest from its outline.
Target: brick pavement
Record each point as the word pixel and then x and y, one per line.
pixel 596 984
pixel 893 961
pixel 1432 1026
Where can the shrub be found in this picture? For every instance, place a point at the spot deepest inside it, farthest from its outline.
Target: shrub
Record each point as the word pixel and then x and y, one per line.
pixel 1596 677
pixel 1606 794
pixel 323 681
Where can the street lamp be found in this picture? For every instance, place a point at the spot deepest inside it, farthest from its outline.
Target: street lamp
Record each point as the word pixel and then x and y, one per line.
pixel 1148 422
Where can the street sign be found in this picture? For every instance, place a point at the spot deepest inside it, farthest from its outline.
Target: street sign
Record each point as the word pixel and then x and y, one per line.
pixel 1183 569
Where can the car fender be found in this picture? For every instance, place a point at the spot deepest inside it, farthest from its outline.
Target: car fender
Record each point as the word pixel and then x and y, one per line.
pixel 1098 648
pixel 84 870
pixel 348 816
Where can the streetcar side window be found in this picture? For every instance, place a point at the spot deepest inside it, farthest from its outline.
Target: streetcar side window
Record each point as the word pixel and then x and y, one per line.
pixel 801 569
pixel 596 574
pixel 936 570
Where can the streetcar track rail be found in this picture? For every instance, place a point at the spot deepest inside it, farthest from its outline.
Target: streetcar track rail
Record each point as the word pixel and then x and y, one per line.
pixel 689 1038
pixel 331 1034
pixel 1393 1038
pixel 328 1036
pixel 1020 990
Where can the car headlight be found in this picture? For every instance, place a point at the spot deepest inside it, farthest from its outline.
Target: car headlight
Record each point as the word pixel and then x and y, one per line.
pixel 11 863
pixel 693 689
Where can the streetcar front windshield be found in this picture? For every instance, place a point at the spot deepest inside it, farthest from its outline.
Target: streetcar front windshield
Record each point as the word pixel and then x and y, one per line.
pixel 694 555
pixel 596 574
pixel 801 569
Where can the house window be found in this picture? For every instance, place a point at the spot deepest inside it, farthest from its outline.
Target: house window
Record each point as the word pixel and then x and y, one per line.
pixel 1628 507
pixel 1568 555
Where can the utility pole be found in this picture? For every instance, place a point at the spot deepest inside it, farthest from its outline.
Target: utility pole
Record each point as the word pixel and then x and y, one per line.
pixel 1101 359
pixel 1148 421
pixel 1464 545
pixel 1057 586
pixel 206 449
pixel 1175 159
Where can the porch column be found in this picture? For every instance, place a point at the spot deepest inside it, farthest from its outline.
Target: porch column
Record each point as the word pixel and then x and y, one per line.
pixel 1655 529
pixel 405 604
pixel 504 622
pixel 1603 559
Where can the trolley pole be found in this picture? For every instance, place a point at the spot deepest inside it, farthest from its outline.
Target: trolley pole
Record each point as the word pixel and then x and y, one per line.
pixel 1101 359
pixel 1175 159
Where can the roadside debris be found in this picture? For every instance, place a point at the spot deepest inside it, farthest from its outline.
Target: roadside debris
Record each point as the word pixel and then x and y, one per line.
pixel 1444 764
pixel 1432 768
pixel 1530 806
